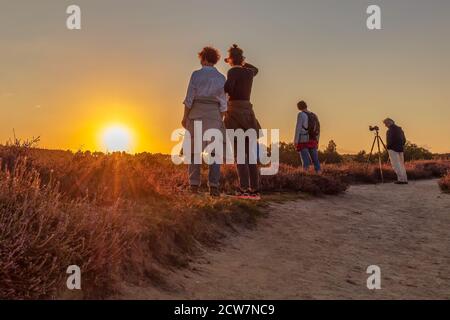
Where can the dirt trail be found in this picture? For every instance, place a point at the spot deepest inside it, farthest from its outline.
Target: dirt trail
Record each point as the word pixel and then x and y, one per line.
pixel 320 248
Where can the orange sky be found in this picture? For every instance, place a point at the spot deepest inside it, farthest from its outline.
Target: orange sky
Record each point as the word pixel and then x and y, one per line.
pixel 131 62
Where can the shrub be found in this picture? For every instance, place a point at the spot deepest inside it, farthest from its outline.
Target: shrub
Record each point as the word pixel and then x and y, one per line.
pixel 42 235
pixel 414 152
pixel 330 154
pixel 112 215
pixel 361 157
pixel 354 172
pixel 289 155
pixel 444 183
pixel 15 149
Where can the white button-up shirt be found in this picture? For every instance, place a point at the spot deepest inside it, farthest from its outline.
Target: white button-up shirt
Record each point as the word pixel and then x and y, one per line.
pixel 207 82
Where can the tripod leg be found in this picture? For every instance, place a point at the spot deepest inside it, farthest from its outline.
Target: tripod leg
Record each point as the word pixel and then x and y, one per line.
pixel 384 146
pixel 371 150
pixel 370 155
pixel 379 159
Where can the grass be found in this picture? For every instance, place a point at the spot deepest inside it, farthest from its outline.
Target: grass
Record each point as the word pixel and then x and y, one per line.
pixel 121 217
pixel 45 232
pixel 115 216
pixel 354 172
pixel 42 235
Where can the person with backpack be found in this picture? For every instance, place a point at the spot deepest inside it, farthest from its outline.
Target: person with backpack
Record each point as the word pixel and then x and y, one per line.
pixel 307 134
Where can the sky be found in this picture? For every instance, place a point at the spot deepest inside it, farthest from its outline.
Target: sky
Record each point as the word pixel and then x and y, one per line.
pixel 130 64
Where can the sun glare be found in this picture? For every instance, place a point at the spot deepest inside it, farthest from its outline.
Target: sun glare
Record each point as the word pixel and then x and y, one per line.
pixel 117 138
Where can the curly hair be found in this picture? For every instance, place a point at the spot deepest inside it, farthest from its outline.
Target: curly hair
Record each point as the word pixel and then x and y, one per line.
pixel 209 54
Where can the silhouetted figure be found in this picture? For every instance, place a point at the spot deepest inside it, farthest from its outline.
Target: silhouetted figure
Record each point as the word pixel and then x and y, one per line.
pixel 307 134
pixel 205 102
pixel 395 143
pixel 240 115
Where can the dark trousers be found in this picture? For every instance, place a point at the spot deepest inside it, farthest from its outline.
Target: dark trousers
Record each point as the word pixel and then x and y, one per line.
pixel 248 176
pixel 248 173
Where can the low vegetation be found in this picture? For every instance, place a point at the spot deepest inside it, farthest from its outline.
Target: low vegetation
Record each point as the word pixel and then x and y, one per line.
pixel 128 217
pixel 444 183
pixel 354 172
pixel 115 216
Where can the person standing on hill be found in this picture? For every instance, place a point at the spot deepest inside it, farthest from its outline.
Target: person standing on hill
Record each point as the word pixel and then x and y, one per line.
pixel 205 103
pixel 307 134
pixel 395 144
pixel 240 115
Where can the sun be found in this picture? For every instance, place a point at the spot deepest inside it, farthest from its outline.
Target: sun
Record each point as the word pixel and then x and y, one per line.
pixel 117 138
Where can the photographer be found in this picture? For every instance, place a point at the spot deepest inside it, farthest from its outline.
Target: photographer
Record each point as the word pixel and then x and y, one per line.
pixel 395 138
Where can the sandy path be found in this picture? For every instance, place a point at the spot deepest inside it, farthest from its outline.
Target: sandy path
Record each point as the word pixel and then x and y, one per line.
pixel 321 248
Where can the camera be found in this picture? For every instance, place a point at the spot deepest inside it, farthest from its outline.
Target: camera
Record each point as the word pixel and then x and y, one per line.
pixel 374 128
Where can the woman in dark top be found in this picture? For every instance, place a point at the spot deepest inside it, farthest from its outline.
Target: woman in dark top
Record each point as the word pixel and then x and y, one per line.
pixel 240 115
pixel 240 81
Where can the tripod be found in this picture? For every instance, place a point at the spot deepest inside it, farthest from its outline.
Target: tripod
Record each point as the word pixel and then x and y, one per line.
pixel 377 140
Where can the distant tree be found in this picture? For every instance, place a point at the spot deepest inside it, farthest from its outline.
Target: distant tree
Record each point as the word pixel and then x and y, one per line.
pixel 289 154
pixel 332 147
pixel 361 156
pixel 330 154
pixel 414 152
pixel 441 156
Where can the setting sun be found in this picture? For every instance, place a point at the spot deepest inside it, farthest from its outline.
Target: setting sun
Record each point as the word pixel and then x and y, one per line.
pixel 117 138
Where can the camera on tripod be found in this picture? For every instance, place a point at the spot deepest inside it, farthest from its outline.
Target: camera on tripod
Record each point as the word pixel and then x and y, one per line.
pixel 378 141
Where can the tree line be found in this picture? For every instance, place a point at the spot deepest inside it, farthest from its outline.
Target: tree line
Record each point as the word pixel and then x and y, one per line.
pixel 330 155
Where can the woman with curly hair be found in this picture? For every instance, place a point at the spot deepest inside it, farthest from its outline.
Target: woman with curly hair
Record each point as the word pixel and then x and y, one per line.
pixel 205 103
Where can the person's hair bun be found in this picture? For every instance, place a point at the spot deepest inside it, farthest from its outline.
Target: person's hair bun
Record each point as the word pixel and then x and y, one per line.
pixel 236 54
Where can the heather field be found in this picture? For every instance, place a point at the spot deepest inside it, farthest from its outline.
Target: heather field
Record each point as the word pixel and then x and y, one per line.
pixel 444 183
pixel 130 218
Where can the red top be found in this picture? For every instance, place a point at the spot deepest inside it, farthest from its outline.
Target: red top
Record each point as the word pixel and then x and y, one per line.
pixel 312 144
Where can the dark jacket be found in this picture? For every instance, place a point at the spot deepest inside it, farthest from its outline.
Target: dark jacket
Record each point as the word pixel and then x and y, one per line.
pixel 395 138
pixel 239 82
pixel 240 114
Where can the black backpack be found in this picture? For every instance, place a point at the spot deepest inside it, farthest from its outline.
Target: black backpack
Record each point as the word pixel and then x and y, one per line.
pixel 313 126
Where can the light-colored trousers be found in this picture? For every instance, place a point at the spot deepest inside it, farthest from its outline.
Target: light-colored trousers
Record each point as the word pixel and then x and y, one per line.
pixel 398 163
pixel 204 110
pixel 195 168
